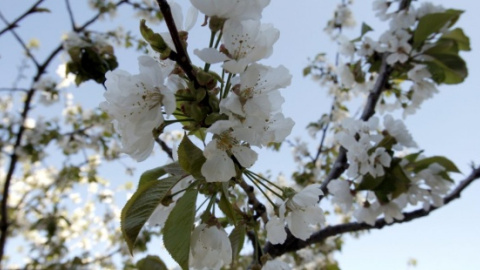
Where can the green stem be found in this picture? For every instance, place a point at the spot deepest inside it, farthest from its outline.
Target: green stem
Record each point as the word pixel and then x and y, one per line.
pixel 265 179
pixel 261 190
pixel 227 85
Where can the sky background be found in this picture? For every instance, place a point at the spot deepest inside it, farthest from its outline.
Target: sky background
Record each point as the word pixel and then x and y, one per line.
pixel 446 125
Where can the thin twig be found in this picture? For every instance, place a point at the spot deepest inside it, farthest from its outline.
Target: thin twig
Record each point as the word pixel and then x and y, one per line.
pixel 21 17
pixel 70 15
pixel 293 244
pixel 20 40
pixel 165 147
pixel 4 222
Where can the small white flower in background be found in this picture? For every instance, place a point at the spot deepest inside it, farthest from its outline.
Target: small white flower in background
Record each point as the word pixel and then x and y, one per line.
pixel 135 101
pixel 340 191
pixel 49 93
pixel 210 248
pixel 367 214
pixel 305 214
pixel 67 79
pixel 381 6
pixel 378 160
pixel 367 47
pixel 276 264
pixel 398 130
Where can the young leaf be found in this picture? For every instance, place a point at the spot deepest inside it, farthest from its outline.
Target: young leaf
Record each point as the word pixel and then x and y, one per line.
pixel 178 227
pixel 442 161
pixel 433 23
pixel 459 36
pixel 237 238
pixel 151 263
pixel 151 175
pixel 191 158
pixel 141 205
pixel 365 29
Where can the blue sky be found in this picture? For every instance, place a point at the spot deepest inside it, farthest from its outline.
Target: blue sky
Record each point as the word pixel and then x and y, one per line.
pixel 446 125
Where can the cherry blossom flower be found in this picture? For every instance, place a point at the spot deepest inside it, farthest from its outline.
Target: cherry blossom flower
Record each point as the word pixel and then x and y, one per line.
pixel 135 101
pixel 245 41
pixel 209 248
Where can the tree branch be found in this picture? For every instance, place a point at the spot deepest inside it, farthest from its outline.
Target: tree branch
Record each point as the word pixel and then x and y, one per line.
pixel 4 222
pixel 253 201
pixel 182 58
pixel 21 17
pixel 294 244
pixel 70 15
pixel 340 164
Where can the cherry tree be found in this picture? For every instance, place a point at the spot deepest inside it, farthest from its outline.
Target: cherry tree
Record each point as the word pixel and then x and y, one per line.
pixel 210 119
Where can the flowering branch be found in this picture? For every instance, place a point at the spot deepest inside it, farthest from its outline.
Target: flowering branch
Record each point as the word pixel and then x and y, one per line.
pixel 340 164
pixel 182 57
pixel 293 244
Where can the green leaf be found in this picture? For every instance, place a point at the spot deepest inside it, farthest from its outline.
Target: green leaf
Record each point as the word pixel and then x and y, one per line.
pixel 151 175
pixel 458 36
pixel 191 158
pixel 440 160
pixel 237 238
pixel 226 206
pixel 365 29
pixel 174 168
pixel 151 263
pixel 369 182
pixel 178 227
pixel 438 73
pixel 141 205
pixel 453 66
pixel 401 182
pixel 307 71
pixel 433 23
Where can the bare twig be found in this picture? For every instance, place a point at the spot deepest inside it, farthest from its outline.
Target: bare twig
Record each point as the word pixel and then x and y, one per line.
pixel 165 147
pixel 70 15
pixel 21 17
pixel 293 244
pixel 20 40
pixel 4 222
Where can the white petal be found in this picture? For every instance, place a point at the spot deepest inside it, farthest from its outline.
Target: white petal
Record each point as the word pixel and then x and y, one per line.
pixel 210 55
pixel 245 156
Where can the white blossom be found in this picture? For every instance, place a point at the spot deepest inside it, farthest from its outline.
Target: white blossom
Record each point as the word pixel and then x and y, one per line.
pixel 209 248
pixel 135 101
